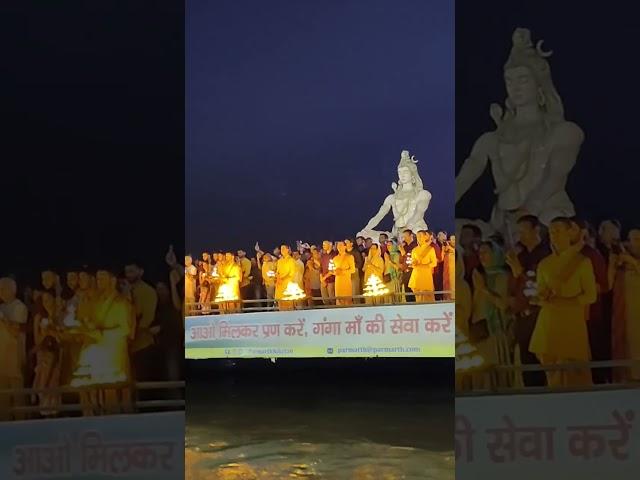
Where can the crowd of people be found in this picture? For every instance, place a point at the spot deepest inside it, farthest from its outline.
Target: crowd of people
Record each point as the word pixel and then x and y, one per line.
pixel 552 296
pixel 98 331
pixel 419 267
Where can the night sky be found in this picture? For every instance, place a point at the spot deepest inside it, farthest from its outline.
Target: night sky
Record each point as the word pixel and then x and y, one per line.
pixel 93 142
pixel 297 112
pixel 296 116
pixel 595 75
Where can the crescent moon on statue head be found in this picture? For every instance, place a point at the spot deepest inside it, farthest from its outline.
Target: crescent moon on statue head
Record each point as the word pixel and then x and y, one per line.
pixel 542 53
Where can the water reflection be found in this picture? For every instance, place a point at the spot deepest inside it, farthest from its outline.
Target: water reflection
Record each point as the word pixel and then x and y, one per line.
pixel 334 427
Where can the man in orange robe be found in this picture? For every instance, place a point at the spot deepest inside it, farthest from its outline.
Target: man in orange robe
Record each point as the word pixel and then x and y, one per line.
pixel 423 260
pixel 566 287
pixel 345 266
pixel 286 271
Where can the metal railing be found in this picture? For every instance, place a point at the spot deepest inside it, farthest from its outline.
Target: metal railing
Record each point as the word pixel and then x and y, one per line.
pixel 572 366
pixel 137 406
pixel 316 303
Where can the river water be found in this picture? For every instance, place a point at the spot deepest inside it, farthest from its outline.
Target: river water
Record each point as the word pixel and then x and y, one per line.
pixel 334 420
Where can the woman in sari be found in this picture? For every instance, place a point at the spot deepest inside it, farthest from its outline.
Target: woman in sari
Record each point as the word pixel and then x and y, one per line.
pixel 392 272
pixel 449 268
pixel 490 302
pixel 373 269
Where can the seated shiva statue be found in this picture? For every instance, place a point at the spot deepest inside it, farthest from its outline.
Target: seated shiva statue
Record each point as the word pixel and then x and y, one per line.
pixel 408 202
pixel 532 149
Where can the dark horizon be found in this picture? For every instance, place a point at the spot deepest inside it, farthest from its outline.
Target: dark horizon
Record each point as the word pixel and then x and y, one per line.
pixel 340 86
pixel 94 136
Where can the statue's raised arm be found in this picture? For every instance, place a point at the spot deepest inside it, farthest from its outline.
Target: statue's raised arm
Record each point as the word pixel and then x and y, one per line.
pixel 378 217
pixel 474 165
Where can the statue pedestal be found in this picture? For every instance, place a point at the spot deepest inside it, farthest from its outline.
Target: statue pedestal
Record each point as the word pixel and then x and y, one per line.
pixel 408 202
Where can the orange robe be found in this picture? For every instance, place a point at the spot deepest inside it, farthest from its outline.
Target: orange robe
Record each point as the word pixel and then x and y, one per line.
pixel 561 335
pixel 373 266
pixel 286 271
pixel 424 260
pixel 345 267
pixel 268 274
pixel 104 359
pixel 231 274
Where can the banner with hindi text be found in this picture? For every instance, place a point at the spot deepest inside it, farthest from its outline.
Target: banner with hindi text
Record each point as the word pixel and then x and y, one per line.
pixel 406 330
pixel 146 446
pixel 586 435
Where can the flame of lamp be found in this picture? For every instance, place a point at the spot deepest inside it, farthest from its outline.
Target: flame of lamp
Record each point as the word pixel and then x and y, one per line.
pixel 375 287
pixel 293 292
pixel 226 293
pixel 468 358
